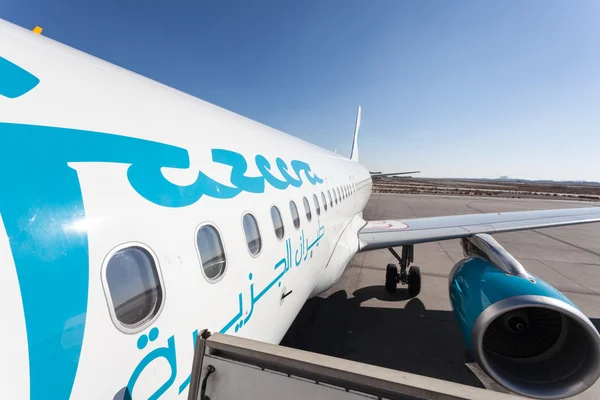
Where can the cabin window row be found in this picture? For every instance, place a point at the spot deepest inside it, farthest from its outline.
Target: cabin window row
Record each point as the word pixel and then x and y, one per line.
pixel 132 276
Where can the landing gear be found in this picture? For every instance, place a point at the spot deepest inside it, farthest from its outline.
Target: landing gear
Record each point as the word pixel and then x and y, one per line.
pixel 391 278
pixel 414 281
pixel 408 275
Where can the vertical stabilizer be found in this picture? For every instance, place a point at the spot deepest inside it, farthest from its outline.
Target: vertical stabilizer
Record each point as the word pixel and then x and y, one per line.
pixel 354 152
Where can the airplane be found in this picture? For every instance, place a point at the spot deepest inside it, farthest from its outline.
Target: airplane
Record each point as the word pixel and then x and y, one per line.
pixel 133 215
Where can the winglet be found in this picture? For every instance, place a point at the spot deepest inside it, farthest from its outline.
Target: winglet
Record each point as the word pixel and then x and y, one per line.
pixel 354 152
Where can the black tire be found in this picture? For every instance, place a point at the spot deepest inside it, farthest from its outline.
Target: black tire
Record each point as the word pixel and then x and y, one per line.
pixel 414 281
pixel 391 278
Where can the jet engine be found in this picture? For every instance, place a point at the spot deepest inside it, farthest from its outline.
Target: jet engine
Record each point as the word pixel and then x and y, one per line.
pixel 524 334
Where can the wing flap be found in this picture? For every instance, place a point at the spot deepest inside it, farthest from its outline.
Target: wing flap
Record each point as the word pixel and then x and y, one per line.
pixel 390 233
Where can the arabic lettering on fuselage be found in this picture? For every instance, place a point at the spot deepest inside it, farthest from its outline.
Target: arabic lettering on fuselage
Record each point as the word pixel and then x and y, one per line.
pixel 284 265
pixel 241 319
pixel 38 185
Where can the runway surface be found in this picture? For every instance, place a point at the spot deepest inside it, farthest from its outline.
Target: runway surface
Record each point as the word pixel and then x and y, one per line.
pixel 358 320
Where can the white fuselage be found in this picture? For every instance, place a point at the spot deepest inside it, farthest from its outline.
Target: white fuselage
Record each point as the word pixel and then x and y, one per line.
pixel 145 171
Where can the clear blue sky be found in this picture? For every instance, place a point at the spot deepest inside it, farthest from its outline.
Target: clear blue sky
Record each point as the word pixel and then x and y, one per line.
pixel 455 89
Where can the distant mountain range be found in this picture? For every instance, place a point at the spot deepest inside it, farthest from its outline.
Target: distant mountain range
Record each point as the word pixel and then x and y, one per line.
pixel 506 178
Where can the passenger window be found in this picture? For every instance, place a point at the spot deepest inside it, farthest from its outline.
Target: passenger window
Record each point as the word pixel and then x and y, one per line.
pixel 295 216
pixel 335 196
pixel 277 222
pixel 307 209
pixel 324 200
pixel 134 286
pixel 330 199
pixel 339 193
pixel 212 254
pixel 252 234
pixel 317 207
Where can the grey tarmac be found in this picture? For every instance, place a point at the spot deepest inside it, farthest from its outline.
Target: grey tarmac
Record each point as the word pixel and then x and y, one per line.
pixel 358 320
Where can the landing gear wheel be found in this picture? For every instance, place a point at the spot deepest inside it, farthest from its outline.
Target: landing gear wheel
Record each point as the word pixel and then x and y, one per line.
pixel 414 281
pixel 391 278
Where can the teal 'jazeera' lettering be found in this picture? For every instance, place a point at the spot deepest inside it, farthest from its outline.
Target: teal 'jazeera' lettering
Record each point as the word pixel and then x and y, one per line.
pixel 41 198
pixel 38 186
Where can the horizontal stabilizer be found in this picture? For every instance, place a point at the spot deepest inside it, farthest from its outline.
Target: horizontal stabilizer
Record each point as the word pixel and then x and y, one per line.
pixel 391 233
pixel 378 174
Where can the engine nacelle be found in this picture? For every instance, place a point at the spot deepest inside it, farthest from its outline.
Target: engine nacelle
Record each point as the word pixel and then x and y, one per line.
pixel 525 334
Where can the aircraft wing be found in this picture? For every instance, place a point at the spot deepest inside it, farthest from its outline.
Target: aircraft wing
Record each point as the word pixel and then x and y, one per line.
pixel 391 233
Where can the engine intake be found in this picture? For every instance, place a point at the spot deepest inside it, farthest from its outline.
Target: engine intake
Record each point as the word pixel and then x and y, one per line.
pixel 525 334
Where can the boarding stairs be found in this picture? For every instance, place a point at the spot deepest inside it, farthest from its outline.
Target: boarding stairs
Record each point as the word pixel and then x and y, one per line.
pixel 229 367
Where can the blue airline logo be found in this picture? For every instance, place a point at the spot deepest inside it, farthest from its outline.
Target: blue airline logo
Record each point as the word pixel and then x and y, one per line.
pixel 40 198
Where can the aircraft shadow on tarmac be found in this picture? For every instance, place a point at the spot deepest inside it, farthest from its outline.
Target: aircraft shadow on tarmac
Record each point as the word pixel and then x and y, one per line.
pixel 411 339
